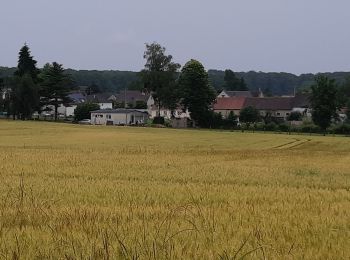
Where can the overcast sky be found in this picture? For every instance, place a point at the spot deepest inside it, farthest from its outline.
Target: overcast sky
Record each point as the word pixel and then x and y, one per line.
pixel 297 36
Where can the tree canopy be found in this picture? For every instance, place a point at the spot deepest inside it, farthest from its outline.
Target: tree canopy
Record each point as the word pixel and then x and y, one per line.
pixel 159 76
pixel 83 111
pixel 197 95
pixel 324 101
pixel 24 93
pixel 26 64
pixel 56 85
pixel 249 115
pixel 232 82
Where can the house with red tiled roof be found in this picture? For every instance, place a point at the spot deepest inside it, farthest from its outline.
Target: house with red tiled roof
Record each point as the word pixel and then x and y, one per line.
pixel 278 107
pixel 229 104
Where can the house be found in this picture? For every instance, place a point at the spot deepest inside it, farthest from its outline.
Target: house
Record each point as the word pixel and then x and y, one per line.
pixel 225 106
pixel 75 98
pixel 154 110
pixel 301 103
pixel 132 98
pixel 102 99
pixel 119 116
pixel 277 107
pixel 229 94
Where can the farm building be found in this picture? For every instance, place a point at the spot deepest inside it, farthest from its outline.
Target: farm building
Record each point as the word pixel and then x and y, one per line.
pixel 118 117
pixel 278 107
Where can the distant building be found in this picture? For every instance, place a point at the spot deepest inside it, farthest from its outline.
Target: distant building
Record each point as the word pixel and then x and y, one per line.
pixel 132 98
pixel 229 104
pixel 228 94
pixel 277 107
pixel 104 100
pixel 154 111
pixel 119 117
pixel 75 98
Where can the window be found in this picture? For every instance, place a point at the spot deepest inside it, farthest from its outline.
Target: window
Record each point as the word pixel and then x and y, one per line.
pixel 287 114
pixel 278 113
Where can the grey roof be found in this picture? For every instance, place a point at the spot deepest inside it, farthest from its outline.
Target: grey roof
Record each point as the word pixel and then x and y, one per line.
pixel 76 97
pixel 239 93
pixel 131 96
pixel 119 111
pixel 270 103
pixel 99 98
pixel 302 100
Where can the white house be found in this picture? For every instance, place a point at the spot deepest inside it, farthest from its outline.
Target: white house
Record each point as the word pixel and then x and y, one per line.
pixel 119 116
pixel 103 100
pixel 153 110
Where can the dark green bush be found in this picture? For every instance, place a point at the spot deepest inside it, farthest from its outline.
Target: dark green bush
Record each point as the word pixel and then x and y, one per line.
pixel 271 126
pixel 284 127
pixel 158 120
pixel 343 129
pixel 310 128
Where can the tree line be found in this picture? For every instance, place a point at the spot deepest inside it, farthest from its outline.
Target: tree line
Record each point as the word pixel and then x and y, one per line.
pixel 30 89
pixel 271 83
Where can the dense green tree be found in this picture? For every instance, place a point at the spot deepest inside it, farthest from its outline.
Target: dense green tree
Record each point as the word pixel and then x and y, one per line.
pixel 24 97
pixel 232 82
pixel 196 91
pixel 135 85
pixel 267 92
pixel 295 116
pixel 83 111
pixel 2 99
pixel 26 64
pixel 232 118
pixel 159 76
pixel 93 89
pixel 249 115
pixel 324 102
pixel 278 83
pixel 348 112
pixel 56 85
pixel 24 89
pixel 346 87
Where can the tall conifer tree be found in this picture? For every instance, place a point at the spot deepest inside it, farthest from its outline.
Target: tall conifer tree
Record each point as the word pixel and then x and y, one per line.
pixel 24 94
pixel 56 85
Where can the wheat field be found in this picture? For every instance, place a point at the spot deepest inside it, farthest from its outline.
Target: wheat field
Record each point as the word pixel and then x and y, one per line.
pixel 89 192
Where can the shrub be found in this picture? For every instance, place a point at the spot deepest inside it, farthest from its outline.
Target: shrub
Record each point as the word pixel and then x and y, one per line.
pixel 83 111
pixel 158 120
pixel 295 116
pixel 284 127
pixel 341 129
pixel 271 126
pixel 310 128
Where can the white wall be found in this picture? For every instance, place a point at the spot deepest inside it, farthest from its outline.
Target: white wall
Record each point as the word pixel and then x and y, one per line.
pixel 106 105
pixel 117 118
pixel 70 110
